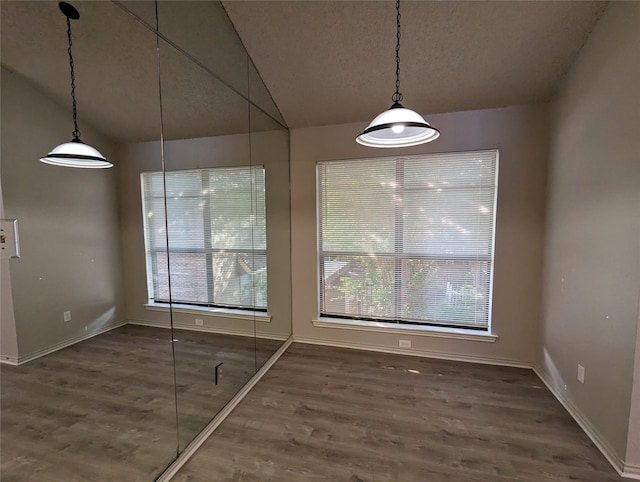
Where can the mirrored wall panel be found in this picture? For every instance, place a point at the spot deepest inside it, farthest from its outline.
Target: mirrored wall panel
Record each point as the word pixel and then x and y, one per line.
pixel 270 160
pixel 146 295
pixel 210 226
pixel 93 395
pixel 261 98
pixel 199 29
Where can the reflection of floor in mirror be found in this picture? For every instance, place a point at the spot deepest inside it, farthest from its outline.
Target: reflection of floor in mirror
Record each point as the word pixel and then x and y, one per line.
pixel 196 355
pixel 104 409
pixel 333 414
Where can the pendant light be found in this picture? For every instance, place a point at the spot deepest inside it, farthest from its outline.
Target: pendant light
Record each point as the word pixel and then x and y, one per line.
pixel 398 126
pixel 74 153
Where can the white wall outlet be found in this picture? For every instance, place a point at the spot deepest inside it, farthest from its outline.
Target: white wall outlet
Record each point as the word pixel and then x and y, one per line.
pixel 580 373
pixel 199 322
pixel 404 343
pixel 66 316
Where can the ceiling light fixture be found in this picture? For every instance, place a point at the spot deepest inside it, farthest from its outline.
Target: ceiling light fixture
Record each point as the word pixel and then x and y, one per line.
pixel 74 153
pixel 397 127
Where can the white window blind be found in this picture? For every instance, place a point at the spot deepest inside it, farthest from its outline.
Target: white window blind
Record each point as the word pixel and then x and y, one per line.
pixel 408 239
pixel 216 232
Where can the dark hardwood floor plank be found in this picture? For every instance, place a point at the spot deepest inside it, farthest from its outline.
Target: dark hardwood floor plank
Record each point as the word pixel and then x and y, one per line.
pixel 324 413
pixel 105 409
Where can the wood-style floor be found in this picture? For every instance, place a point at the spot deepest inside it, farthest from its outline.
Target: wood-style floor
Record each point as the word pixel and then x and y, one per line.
pixel 330 414
pixel 199 399
pixel 105 409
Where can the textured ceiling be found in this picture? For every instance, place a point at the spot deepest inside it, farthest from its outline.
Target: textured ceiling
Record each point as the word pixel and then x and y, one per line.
pixel 332 62
pixel 117 69
pixel 114 82
pixel 323 62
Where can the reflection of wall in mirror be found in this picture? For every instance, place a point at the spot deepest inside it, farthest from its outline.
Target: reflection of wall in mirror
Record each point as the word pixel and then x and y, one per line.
pixel 269 149
pixel 76 208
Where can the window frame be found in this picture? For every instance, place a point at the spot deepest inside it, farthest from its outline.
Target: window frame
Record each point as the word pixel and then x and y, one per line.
pixel 151 254
pixel 395 324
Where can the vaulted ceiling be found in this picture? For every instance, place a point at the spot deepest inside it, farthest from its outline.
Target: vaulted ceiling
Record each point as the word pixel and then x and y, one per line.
pixel 324 62
pixel 332 62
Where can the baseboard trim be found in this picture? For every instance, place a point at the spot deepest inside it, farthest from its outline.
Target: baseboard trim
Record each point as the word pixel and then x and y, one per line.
pixel 153 324
pixel 616 462
pixel 205 329
pixel 413 352
pixel 631 471
pixel 9 360
pixel 59 346
pixel 219 418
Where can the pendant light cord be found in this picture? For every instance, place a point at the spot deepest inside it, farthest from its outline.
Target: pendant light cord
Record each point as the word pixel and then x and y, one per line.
pixel 397 96
pixel 76 131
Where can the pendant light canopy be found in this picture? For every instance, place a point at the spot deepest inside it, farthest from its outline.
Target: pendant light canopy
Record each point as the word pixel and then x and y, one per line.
pixel 398 126
pixel 74 153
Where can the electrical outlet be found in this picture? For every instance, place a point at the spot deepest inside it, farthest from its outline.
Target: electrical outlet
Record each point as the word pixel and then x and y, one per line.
pixel 580 373
pixel 219 372
pixel 404 343
pixel 199 322
pixel 66 316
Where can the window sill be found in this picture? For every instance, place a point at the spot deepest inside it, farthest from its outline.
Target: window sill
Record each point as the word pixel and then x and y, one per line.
pixel 206 310
pixel 380 327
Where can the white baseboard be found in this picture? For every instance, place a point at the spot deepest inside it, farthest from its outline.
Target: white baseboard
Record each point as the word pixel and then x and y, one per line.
pixel 9 360
pixel 631 471
pixel 59 346
pixel 207 329
pixel 219 418
pixel 413 352
pixel 616 462
pixel 154 324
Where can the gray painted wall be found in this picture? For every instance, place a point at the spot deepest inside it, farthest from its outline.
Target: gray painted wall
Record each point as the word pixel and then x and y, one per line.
pixel 68 225
pixel 268 148
pixel 592 246
pixel 520 133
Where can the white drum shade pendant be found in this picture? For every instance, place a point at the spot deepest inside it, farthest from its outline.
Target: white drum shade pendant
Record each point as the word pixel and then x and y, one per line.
pixel 74 153
pixel 398 126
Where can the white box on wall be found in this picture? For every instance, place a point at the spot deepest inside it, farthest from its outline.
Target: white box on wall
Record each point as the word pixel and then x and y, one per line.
pixel 9 243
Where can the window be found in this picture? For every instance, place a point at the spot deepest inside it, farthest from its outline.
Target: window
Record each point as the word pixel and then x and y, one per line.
pixel 216 234
pixel 408 239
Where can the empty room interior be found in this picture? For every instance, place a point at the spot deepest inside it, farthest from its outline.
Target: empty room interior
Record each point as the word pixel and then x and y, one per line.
pixel 320 240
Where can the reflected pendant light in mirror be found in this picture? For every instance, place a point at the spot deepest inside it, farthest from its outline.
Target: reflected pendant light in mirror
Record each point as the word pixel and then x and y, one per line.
pixel 398 126
pixel 74 153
